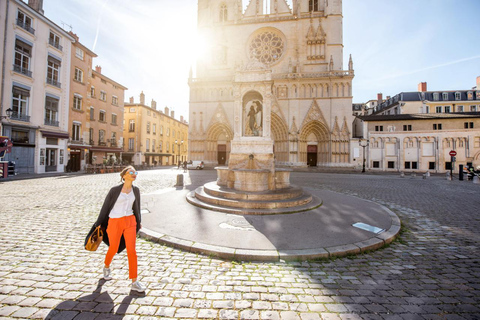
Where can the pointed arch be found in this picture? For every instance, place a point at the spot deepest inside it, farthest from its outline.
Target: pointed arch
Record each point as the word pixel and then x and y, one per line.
pixel 322 136
pixel 279 131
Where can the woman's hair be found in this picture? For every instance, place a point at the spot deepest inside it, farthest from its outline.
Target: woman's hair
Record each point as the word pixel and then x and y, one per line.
pixel 124 172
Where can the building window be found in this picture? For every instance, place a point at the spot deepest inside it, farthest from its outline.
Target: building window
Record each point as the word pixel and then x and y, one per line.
pixel 438 109
pixel 90 136
pixel 376 164
pixel 448 165
pixel 131 127
pixel 427 109
pixel 160 146
pixel 25 22
pixel 92 113
pixel 154 128
pixel 132 110
pixel 153 145
pixel 92 92
pixel 437 126
pixel 23 53
pixel 54 40
pixel 51 111
pixel 468 125
pixel 148 127
pixel 431 166
pixel 447 109
pixel 101 137
pixel 436 96
pixel 161 130
pixel 168 132
pixel 470 95
pixel 113 141
pixel 42 157
pixel 223 12
pixel 168 147
pixel 378 128
pixel 102 116
pixel 77 102
pixel 76 131
pixel 445 96
pixel 458 96
pixel 79 53
pixel 473 108
pixel 459 108
pixel 407 127
pixel 131 142
pixel 103 95
pixel 61 157
pixel 411 165
pixel 78 75
pixel 103 81
pixel 312 5
pixel 115 100
pixel 114 119
pixel 148 145
pixel 53 70
pixel 20 98
pixel 391 164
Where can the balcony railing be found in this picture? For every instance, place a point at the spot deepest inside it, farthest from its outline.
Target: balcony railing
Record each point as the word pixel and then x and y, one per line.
pixel 113 143
pixel 54 82
pixel 20 117
pixel 52 123
pixel 25 26
pixel 56 45
pixel 76 140
pixel 22 70
pixel 92 142
pixel 102 143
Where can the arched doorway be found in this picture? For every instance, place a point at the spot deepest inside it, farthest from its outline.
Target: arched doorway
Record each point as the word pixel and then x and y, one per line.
pixel 314 144
pixel 217 149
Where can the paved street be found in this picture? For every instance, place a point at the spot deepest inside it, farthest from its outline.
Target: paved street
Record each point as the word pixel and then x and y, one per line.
pixel 431 272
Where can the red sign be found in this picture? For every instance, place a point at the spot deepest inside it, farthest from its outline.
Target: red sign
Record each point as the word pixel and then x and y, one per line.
pixel 452 153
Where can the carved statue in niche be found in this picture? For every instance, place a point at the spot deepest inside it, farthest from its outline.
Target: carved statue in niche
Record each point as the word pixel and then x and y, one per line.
pixel 254 118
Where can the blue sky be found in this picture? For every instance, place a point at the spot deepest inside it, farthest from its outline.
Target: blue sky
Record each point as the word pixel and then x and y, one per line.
pixel 147 44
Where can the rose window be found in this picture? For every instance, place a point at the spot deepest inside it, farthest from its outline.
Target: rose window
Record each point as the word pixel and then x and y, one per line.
pixel 267 48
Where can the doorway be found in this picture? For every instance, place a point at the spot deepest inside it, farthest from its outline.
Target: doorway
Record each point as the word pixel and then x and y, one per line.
pixel 312 155
pixel 74 160
pixel 51 164
pixel 222 154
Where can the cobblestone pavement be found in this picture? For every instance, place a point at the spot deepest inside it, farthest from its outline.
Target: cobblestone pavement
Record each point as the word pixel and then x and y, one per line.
pixel 431 272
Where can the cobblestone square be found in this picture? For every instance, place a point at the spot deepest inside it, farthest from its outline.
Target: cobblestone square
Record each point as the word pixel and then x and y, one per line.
pixel 431 272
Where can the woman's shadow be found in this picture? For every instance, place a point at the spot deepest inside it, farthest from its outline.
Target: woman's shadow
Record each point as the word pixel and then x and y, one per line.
pixel 91 305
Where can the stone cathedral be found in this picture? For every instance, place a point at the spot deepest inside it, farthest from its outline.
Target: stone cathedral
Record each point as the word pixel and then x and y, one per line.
pixel 272 73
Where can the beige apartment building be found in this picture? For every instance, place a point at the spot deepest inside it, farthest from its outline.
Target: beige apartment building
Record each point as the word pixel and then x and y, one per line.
pixel 152 137
pixel 96 112
pixel 415 131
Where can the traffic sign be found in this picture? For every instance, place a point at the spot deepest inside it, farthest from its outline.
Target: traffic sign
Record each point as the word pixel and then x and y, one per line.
pixel 452 153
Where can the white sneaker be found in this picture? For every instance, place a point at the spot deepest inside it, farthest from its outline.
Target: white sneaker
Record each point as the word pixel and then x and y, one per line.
pixel 137 286
pixel 106 274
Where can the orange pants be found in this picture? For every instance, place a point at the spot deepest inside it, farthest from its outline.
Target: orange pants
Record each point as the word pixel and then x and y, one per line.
pixel 128 227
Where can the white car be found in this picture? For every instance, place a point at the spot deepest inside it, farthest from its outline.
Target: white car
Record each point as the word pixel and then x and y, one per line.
pixel 195 165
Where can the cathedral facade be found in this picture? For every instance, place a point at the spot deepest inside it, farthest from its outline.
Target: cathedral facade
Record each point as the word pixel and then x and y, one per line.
pixel 272 72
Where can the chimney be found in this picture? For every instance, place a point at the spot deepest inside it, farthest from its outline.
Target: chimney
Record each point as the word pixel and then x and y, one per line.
pixel 379 97
pixel 422 87
pixel 154 104
pixel 98 69
pixel 36 5
pixel 167 111
pixel 142 98
pixel 388 97
pixel 132 101
pixel 181 119
pixel 74 35
pixel 172 114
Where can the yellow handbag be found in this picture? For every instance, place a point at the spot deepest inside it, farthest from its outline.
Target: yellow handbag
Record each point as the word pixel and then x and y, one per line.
pixel 95 239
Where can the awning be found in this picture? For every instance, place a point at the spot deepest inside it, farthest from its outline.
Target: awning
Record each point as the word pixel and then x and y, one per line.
pixel 53 134
pixel 157 154
pixel 79 146
pixel 105 149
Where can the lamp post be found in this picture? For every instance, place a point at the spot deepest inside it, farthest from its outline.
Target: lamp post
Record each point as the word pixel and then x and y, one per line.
pixel 9 112
pixel 179 145
pixel 363 143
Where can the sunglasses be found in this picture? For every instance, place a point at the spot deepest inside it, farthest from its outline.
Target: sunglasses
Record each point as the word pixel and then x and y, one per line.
pixel 133 173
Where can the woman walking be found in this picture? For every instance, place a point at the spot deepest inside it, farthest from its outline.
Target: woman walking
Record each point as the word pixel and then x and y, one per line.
pixel 121 217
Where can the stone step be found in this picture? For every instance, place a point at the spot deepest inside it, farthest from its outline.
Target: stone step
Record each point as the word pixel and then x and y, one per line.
pixel 213 189
pixel 198 196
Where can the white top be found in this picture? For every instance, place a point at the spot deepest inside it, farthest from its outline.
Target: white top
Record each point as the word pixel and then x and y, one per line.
pixel 123 206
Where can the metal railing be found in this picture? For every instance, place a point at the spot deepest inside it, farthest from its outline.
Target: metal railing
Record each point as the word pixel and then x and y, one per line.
pixel 56 45
pixel 25 26
pixel 54 82
pixel 22 70
pixel 20 117
pixel 53 123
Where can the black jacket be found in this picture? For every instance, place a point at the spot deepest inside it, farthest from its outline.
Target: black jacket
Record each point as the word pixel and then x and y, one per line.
pixel 108 204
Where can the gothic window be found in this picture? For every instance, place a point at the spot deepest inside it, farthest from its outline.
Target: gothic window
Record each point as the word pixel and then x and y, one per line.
pixel 223 12
pixel 312 5
pixel 267 47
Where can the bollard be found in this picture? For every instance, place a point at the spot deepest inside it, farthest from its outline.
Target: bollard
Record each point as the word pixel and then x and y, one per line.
pixel 402 175
pixel 449 177
pixel 460 172
pixel 476 180
pixel 179 180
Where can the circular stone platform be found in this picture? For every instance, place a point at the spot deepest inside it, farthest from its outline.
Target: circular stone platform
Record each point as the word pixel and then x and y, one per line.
pixel 325 231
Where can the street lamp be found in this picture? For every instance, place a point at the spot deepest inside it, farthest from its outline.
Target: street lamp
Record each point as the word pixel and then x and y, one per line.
pixel 9 112
pixel 178 144
pixel 363 143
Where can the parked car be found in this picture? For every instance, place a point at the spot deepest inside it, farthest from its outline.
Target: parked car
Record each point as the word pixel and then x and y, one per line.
pixel 198 165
